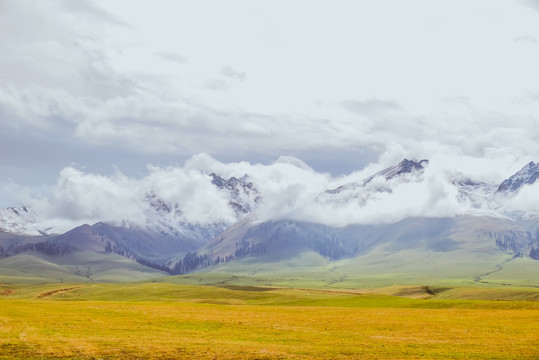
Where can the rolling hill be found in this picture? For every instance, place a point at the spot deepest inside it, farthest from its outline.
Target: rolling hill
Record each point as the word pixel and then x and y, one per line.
pixel 476 247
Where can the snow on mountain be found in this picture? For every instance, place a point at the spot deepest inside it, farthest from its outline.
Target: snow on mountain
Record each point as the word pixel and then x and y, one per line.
pixel 425 186
pixel 166 219
pixel 527 175
pixel 244 197
pixel 484 221
pixel 404 167
pixel 405 187
pixel 403 203
pixel 401 169
pixel 154 211
pixel 21 221
pixel 381 182
pixel 477 195
pixel 491 198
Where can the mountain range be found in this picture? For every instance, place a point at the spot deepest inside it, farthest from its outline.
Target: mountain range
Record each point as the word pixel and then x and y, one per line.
pixel 475 245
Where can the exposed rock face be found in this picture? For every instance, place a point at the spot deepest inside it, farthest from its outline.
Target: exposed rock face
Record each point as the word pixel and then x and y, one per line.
pixel 404 167
pixel 527 175
pixel 244 196
pixel 163 239
pixel 401 169
pixel 21 221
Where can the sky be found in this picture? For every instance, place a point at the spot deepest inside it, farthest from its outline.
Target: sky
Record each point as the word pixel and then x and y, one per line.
pixel 114 89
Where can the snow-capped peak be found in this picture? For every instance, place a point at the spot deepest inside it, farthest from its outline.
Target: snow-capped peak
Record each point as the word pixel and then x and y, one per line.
pixel 167 217
pixel 244 196
pixel 159 205
pixel 20 220
pixel 527 175
pixel 404 167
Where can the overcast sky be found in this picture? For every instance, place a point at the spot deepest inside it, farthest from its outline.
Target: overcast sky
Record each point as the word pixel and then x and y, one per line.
pixel 113 86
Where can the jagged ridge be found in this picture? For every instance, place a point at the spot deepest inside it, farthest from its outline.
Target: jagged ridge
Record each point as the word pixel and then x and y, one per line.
pixel 527 175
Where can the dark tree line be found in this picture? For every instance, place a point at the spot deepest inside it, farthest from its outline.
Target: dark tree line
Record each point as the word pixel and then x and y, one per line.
pixel 244 249
pixel 534 253
pixel 152 265
pixel 114 249
pixel 519 243
pixel 317 239
pixel 50 248
pixel 330 248
pixel 190 262
pixel 193 260
pixel 509 243
pixel 53 248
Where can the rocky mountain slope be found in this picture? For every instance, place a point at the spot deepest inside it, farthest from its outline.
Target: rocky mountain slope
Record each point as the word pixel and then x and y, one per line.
pixel 22 221
pixel 527 175
pixel 402 169
pixel 168 243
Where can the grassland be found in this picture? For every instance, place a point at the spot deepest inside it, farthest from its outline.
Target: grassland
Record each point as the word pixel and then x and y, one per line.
pixel 240 321
pixel 380 269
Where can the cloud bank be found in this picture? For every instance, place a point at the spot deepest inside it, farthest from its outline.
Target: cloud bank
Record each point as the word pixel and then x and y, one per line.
pixel 85 86
pixel 288 189
pixel 405 83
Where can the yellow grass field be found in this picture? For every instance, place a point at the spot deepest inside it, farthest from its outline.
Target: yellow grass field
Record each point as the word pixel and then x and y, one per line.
pixel 51 322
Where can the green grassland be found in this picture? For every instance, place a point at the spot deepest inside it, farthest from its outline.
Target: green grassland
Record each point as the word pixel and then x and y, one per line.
pixel 380 269
pixel 241 319
pixel 34 267
pixel 103 306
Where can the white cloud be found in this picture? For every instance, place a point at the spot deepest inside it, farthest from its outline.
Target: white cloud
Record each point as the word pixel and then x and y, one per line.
pixel 199 201
pixel 371 107
pixel 172 56
pixel 526 199
pixel 288 189
pixel 234 74
pixel 408 83
pixel 80 197
pixel 531 3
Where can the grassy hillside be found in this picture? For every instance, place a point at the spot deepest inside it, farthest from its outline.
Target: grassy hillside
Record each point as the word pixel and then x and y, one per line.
pixel 35 267
pixel 163 320
pixel 307 269
pixel 232 293
pixel 459 251
pixel 382 268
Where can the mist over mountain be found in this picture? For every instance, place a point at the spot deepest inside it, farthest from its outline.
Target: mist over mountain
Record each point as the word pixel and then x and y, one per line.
pixel 179 220
pixel 140 140
pixel 526 176
pixel 205 192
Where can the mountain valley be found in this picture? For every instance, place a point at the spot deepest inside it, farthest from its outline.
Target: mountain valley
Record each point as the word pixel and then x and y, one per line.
pixel 483 244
